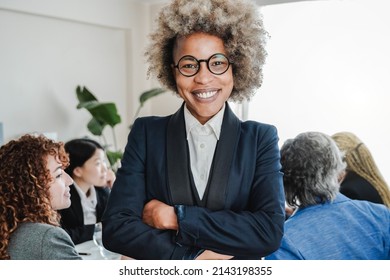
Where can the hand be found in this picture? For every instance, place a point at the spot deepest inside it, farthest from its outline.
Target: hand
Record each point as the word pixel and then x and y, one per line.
pixel 159 215
pixel 211 255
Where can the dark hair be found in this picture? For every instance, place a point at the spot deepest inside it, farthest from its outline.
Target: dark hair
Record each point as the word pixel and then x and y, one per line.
pixel 79 151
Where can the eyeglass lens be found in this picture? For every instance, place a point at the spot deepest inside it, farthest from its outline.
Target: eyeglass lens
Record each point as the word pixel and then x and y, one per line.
pixel 189 65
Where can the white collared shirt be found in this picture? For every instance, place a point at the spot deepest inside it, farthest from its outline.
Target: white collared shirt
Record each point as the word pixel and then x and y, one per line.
pixel 88 203
pixel 202 141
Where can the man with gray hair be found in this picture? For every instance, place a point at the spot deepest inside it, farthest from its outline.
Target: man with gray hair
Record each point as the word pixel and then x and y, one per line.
pixel 327 224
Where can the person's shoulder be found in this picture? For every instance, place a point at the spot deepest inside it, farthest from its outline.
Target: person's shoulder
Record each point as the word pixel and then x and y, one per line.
pixel 151 119
pixel 35 227
pixel 259 128
pixel 41 241
pixel 375 206
pixel 38 231
pixel 376 210
pixel 258 125
pixel 57 244
pixel 150 122
pixel 49 231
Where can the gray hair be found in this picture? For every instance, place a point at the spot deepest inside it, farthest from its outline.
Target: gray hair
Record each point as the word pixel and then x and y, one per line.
pixel 237 22
pixel 312 164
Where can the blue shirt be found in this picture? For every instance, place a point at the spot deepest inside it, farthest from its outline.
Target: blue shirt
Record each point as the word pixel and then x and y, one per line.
pixel 344 229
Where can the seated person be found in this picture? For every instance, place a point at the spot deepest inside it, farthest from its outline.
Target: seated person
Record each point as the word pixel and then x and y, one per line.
pixel 33 186
pixel 362 179
pixel 90 190
pixel 327 225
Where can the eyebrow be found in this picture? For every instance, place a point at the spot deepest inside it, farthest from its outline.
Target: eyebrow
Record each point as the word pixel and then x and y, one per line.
pixel 58 167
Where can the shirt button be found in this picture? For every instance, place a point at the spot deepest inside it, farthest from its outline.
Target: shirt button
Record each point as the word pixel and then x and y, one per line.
pixel 202 145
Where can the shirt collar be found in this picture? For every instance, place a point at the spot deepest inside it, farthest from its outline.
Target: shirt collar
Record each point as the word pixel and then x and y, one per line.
pixel 91 197
pixel 215 123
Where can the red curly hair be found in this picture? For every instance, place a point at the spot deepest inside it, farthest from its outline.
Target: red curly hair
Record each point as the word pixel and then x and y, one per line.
pixel 24 184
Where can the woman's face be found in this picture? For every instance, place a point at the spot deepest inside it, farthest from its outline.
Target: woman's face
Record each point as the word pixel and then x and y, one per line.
pixel 59 185
pixel 93 172
pixel 204 93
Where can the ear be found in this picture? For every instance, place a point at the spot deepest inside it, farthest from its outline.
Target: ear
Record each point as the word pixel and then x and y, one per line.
pixel 78 171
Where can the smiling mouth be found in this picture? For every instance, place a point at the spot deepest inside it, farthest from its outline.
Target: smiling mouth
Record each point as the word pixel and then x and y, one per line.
pixel 206 94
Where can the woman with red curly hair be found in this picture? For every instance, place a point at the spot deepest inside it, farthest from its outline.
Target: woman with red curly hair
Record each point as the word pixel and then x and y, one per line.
pixel 33 186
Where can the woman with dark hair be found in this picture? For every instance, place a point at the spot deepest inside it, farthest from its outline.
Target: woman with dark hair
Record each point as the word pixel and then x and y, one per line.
pixel 201 184
pixel 33 186
pixel 90 190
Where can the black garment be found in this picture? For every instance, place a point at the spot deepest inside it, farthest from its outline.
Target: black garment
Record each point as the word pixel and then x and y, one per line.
pixel 72 218
pixel 243 212
pixel 356 187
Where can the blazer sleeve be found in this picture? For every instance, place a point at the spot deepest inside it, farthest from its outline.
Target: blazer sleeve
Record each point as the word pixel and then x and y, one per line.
pixel 254 231
pixel 57 245
pixel 123 229
pixel 287 251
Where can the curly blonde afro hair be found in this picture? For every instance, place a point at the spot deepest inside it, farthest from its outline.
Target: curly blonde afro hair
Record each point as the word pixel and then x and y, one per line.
pixel 237 22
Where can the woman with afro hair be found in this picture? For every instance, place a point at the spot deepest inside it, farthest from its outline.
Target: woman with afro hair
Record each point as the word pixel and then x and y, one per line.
pixel 200 184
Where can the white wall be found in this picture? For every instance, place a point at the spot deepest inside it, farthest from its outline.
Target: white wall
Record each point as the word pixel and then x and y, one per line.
pixel 48 47
pixel 328 70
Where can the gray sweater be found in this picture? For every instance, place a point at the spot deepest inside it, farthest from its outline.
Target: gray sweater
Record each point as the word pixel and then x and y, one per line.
pixel 36 241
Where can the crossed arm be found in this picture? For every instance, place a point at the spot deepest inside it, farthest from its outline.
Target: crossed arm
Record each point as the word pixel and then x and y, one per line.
pixel 162 216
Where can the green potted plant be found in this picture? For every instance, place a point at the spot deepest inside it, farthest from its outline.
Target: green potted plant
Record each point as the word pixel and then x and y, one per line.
pixel 105 114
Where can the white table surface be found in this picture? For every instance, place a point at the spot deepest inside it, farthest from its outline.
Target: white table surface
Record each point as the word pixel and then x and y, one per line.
pixel 89 251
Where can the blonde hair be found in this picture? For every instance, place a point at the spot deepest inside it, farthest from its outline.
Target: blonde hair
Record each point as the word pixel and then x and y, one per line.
pixel 360 161
pixel 237 22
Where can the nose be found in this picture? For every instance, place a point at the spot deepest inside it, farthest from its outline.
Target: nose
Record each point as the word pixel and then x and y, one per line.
pixel 204 75
pixel 104 166
pixel 68 179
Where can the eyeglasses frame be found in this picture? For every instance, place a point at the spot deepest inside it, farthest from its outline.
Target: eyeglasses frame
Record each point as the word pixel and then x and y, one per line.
pixel 203 60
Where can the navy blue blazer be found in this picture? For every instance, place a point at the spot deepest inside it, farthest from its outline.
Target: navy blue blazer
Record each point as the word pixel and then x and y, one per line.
pixel 241 214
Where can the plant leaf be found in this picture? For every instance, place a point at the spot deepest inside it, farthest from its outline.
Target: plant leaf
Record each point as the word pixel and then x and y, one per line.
pixel 87 104
pixel 149 94
pixel 95 127
pixel 84 95
pixel 113 156
pixel 105 113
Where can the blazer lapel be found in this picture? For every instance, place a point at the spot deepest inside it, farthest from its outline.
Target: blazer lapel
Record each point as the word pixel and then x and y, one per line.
pixel 178 160
pixel 222 161
pixel 76 205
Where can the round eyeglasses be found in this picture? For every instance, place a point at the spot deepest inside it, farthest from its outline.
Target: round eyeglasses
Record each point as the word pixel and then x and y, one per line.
pixel 189 66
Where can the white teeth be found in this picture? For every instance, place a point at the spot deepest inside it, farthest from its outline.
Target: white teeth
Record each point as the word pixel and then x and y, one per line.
pixel 207 94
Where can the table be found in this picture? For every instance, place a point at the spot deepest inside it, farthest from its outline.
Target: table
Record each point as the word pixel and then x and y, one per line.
pixel 90 251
